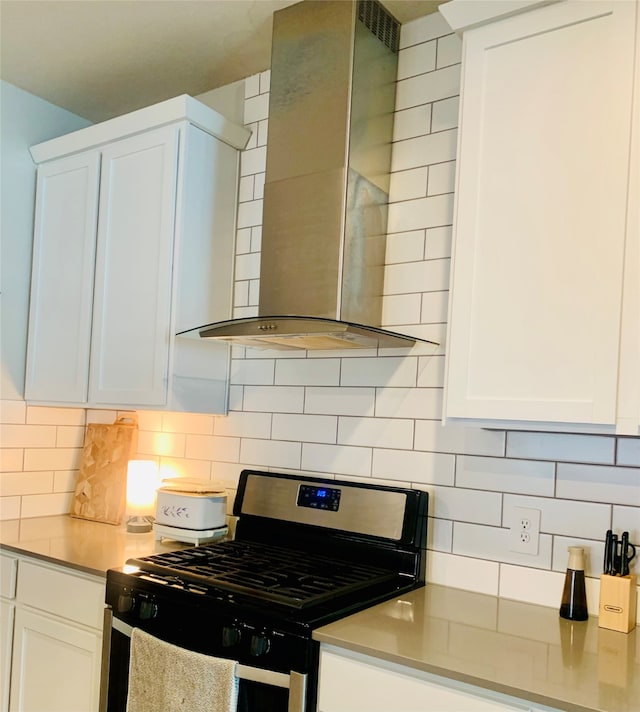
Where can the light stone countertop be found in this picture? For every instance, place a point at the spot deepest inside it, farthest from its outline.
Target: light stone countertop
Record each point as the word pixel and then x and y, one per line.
pixel 92 547
pixel 515 648
pixel 518 649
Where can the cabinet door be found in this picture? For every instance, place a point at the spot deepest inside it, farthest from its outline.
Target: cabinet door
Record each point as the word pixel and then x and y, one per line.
pixel 56 666
pixel 534 325
pixel 353 683
pixel 133 293
pixel 62 279
pixel 7 612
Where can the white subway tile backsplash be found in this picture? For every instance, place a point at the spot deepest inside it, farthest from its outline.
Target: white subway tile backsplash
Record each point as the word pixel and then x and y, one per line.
pixel 463 505
pixel 195 423
pixel 449 50
pixel 65 481
pixel 312 372
pixel 441 177
pixel 253 371
pixel 417 467
pixel 251 86
pixel 256 108
pixel 10 508
pixel 444 114
pixel 426 88
pixel 493 543
pixel 39 415
pixel 439 533
pixel 253 161
pixel 503 475
pixel 51 459
pixel 405 185
pixel 411 123
pixel 212 447
pixel 258 189
pixel 241 294
pixel 273 399
pixel 305 428
pixel 247 266
pixel 531 586
pixel 423 212
pixel 405 247
pixel 561 446
pixel 432 435
pixel 417 59
pixel 594 483
pixel 11 459
pixel 423 403
pixel 158 443
pixel 340 401
pixel 438 243
pixel 434 307
pixel 400 309
pixel 431 372
pixel 379 371
pixel 337 459
pixel 256 238
pixel 240 424
pixel 245 188
pixel 462 572
pixel 13 411
pixel 375 432
pixel 265 81
pixel 627 519
pixel 628 452
pixel 15 436
pixel 70 436
pixel 428 150
pixel 13 484
pixel 249 213
pixel 183 467
pixel 425 28
pixel 46 505
pixel 412 277
pixel 270 453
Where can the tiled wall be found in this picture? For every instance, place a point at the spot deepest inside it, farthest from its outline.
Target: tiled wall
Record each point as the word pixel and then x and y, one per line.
pixel 362 415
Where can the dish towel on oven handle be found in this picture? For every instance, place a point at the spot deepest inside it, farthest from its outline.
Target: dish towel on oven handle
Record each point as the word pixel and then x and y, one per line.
pixel 166 678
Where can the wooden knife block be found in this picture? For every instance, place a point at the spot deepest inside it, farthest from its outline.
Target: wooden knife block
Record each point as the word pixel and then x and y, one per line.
pixel 618 596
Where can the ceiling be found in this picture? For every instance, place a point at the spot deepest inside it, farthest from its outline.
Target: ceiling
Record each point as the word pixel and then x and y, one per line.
pixel 103 58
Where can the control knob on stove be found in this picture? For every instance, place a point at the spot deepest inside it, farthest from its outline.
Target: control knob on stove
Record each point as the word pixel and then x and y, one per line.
pixel 230 636
pixel 259 645
pixel 148 610
pixel 126 602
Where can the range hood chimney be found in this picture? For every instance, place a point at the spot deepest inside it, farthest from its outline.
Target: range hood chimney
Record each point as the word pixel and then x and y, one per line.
pixel 331 104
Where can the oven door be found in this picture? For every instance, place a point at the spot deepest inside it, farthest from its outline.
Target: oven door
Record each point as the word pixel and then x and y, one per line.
pixel 260 690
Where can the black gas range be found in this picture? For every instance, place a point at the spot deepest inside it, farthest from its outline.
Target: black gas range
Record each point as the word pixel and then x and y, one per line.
pixel 306 552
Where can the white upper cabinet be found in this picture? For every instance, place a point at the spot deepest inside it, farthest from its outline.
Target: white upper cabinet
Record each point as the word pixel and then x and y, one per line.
pixel 134 236
pixel 544 310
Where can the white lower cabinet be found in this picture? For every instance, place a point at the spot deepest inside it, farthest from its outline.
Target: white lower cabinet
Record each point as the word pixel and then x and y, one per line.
pixel 8 570
pixel 51 638
pixel 351 682
pixel 56 665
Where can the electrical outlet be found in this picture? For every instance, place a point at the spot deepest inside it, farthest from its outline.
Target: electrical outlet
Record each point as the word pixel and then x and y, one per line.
pixel 524 534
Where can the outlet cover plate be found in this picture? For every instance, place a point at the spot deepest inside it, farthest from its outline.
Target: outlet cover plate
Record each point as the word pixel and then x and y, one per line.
pixel 524 533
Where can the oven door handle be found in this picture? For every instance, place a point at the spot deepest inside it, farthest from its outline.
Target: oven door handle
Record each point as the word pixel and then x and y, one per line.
pixel 295 682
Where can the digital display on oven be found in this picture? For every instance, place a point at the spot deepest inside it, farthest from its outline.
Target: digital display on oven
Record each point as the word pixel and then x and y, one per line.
pixel 319 497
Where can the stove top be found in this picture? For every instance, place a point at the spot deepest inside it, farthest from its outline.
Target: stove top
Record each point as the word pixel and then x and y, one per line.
pixel 289 577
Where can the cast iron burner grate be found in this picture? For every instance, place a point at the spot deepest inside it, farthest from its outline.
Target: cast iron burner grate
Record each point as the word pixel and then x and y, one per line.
pixel 286 576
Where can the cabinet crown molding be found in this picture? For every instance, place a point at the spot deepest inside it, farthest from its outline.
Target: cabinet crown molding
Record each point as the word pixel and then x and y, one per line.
pixel 464 15
pixel 180 108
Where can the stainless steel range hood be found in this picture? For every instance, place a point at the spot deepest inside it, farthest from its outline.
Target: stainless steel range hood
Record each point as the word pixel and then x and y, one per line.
pixel 331 104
